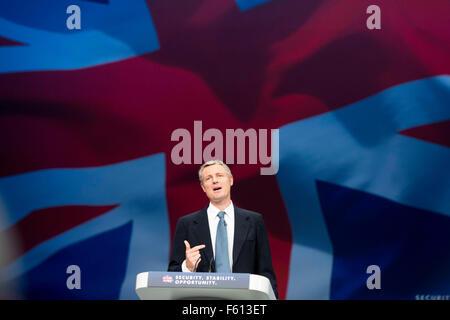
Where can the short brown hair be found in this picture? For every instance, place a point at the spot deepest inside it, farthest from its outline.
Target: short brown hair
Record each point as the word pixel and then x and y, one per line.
pixel 210 163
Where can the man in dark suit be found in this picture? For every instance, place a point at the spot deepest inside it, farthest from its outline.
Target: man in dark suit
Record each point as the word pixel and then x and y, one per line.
pixel 239 236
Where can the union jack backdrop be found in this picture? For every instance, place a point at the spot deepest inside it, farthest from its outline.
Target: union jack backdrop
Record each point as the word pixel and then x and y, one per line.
pixel 86 116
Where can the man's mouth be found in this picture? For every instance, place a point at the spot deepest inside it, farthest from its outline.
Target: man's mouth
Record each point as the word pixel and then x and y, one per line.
pixel 217 189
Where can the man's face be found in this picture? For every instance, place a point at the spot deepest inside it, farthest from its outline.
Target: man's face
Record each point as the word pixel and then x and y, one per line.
pixel 216 183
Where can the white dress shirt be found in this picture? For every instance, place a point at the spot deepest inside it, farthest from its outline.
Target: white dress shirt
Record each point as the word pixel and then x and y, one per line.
pixel 213 221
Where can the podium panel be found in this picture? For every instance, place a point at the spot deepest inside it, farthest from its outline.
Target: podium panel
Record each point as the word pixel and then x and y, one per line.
pixel 205 286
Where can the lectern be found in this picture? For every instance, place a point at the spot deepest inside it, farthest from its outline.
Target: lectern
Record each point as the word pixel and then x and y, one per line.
pixel 205 286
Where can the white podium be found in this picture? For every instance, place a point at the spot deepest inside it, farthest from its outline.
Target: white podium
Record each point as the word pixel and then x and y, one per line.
pixel 205 286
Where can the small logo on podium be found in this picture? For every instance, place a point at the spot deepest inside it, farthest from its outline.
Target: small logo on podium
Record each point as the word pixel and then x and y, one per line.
pixel 167 279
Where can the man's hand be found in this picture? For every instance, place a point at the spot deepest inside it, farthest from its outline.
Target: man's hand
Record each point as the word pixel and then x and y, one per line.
pixel 192 255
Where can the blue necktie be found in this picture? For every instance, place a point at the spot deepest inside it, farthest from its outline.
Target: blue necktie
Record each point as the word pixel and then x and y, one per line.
pixel 222 258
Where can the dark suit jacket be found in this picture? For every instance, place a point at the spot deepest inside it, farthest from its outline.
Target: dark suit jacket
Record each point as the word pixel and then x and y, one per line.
pixel 251 251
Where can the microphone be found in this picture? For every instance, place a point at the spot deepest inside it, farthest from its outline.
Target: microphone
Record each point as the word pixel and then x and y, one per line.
pixel 210 264
pixel 196 264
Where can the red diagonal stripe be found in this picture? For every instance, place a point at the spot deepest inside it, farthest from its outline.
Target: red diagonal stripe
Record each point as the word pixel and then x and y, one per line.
pixel 41 225
pixel 438 133
pixel 5 42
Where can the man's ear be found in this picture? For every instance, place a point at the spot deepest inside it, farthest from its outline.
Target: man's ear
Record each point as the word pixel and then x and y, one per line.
pixel 231 181
pixel 203 187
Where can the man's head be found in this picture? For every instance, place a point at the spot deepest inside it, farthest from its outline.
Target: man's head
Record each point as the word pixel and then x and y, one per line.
pixel 216 181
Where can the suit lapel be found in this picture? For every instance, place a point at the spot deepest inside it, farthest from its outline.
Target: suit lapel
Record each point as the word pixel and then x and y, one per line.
pixel 202 233
pixel 241 225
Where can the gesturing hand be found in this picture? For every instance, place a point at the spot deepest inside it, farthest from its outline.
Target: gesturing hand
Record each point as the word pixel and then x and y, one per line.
pixel 192 255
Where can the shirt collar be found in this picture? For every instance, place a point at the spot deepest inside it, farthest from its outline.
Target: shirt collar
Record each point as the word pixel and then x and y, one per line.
pixel 213 211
